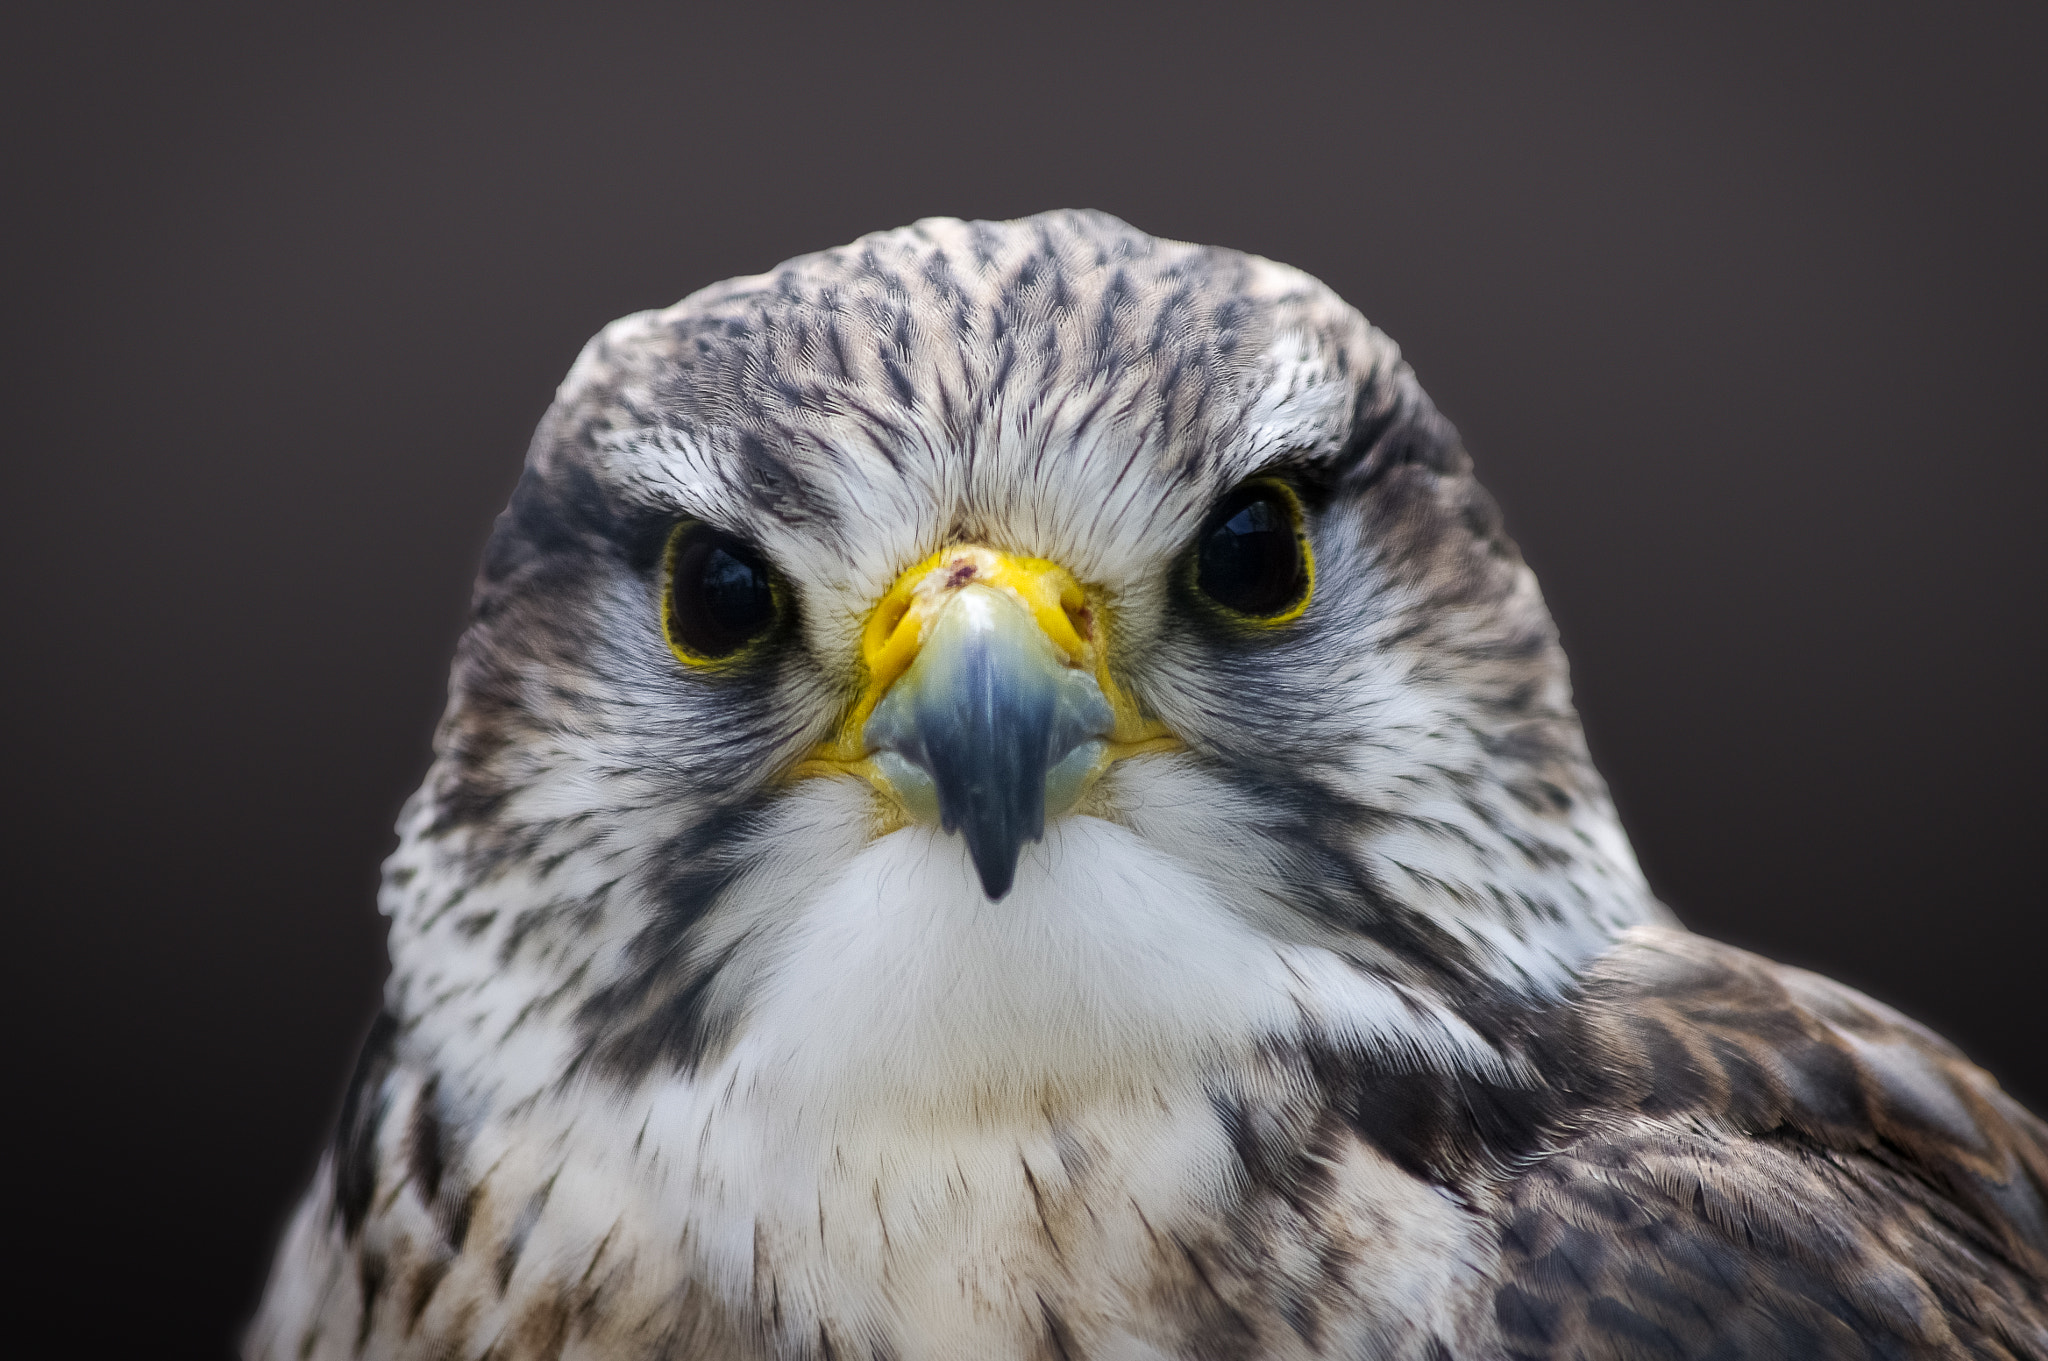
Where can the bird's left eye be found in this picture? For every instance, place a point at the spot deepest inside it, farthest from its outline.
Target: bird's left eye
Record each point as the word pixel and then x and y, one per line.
pixel 720 594
pixel 1252 557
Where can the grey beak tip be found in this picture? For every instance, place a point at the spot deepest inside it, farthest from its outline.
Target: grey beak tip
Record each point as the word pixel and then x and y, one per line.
pixel 995 849
pixel 996 878
pixel 987 709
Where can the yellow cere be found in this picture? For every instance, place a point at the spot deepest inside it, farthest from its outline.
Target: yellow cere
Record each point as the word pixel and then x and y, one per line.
pixel 897 626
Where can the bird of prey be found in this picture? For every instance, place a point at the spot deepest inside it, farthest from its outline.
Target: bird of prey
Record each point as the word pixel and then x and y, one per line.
pixel 1005 795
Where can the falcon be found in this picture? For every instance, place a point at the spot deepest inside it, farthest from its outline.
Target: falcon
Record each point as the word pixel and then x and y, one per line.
pixel 1005 795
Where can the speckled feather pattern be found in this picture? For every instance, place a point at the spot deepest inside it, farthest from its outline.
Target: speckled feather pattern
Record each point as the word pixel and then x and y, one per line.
pixel 1350 1030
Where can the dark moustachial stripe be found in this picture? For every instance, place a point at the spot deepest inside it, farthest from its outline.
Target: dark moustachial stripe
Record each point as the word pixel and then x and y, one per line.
pixel 654 1015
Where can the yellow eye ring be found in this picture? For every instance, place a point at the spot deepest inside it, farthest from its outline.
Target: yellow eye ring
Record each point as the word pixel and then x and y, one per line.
pixel 718 595
pixel 1252 559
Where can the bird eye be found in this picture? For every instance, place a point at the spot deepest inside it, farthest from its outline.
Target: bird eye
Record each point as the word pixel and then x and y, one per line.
pixel 720 594
pixel 1252 557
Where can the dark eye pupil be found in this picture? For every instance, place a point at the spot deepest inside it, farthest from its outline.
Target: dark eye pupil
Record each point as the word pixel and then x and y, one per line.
pixel 719 596
pixel 1249 558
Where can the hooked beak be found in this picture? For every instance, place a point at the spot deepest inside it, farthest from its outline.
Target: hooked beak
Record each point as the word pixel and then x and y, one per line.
pixel 990 726
pixel 988 708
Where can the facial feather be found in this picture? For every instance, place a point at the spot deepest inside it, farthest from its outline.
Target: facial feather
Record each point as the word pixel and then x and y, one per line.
pixel 766 1032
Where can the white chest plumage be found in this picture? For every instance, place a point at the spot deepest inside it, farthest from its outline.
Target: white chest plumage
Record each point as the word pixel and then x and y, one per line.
pixel 942 1120
pixel 947 1127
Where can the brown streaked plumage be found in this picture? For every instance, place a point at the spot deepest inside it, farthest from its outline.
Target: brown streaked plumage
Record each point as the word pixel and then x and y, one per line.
pixel 1770 1165
pixel 1340 1023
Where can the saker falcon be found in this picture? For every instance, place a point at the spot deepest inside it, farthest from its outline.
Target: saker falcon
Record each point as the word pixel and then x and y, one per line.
pixel 1005 795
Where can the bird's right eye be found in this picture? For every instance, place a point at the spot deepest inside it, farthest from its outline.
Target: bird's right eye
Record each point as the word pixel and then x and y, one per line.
pixel 720 594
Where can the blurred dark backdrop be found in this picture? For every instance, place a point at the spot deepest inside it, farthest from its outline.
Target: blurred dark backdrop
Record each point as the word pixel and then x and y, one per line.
pixel 1742 314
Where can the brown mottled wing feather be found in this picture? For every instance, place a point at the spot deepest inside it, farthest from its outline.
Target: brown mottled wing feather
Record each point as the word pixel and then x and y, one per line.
pixel 1777 1167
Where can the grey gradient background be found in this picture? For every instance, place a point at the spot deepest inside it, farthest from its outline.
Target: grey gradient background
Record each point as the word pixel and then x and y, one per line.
pixel 1743 314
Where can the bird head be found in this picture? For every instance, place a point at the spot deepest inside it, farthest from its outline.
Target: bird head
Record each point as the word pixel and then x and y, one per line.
pixel 996 639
